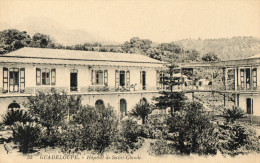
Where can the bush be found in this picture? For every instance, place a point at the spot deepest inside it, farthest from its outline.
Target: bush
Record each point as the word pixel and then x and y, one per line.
pixel 71 139
pixel 155 127
pixel 127 138
pixel 27 135
pixel 237 139
pixel 233 114
pixel 192 130
pixel 99 127
pixel 50 110
pixel 16 115
pixel 161 147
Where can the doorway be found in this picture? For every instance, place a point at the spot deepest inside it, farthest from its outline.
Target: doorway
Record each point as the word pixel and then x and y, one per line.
pixel 73 81
pixel 143 76
pixel 123 108
pixel 249 105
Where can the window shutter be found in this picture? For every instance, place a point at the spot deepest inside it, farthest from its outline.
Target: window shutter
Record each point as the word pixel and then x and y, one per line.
pixel 38 76
pixel 5 80
pixel 22 79
pixel 141 77
pixel 53 76
pixel 92 77
pixel 117 79
pixel 157 78
pixel 127 78
pixel 105 77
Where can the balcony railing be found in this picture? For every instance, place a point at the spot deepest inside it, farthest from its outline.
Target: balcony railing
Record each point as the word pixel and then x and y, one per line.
pixel 89 89
pixel 103 89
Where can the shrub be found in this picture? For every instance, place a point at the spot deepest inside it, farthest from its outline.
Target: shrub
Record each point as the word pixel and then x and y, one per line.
pixel 50 110
pixel 16 115
pixel 161 147
pixel 27 135
pixel 233 114
pixel 71 139
pixel 127 139
pixel 155 127
pixel 99 127
pixel 192 130
pixel 237 139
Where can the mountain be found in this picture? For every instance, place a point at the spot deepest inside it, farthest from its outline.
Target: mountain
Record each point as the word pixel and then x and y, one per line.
pixel 224 48
pixel 60 33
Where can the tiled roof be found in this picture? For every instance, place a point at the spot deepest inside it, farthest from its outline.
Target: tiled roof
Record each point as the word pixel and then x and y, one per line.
pixel 77 55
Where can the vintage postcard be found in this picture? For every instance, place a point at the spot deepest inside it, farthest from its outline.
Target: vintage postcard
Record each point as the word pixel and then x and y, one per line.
pixel 129 81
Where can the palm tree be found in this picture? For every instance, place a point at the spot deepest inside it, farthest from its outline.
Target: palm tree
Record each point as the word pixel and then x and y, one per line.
pixel 141 109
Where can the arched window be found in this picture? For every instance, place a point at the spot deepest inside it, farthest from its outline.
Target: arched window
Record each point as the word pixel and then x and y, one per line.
pixel 14 105
pixel 99 104
pixel 123 108
pixel 143 101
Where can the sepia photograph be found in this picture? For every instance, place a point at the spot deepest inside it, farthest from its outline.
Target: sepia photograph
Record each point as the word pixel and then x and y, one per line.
pixel 130 81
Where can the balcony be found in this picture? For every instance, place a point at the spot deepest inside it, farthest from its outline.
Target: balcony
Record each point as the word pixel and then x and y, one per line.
pixel 80 90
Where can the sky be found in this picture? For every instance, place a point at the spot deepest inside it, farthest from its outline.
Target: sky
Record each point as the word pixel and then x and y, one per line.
pixel 157 20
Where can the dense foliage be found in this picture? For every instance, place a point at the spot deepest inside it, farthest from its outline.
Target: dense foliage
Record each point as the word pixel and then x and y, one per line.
pixel 232 114
pixel 16 115
pixel 193 131
pixel 235 139
pixel 27 135
pixel 99 127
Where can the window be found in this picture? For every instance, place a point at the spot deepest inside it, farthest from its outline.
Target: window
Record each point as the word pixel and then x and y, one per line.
pixel 14 105
pixel 13 80
pixel 99 104
pixel 122 78
pixel 99 77
pixel 254 75
pixel 45 76
pixel 160 79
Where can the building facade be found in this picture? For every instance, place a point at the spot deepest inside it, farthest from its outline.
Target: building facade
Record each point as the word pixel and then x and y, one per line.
pixel 120 80
pixel 241 80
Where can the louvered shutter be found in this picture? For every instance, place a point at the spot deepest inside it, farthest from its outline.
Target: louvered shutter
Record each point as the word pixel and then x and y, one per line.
pixel 117 79
pixel 92 77
pixel 5 80
pixel 38 76
pixel 53 76
pixel 22 79
pixel 105 77
pixel 127 78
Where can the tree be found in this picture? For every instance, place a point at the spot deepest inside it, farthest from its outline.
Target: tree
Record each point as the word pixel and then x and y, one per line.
pixel 42 41
pixel 141 109
pixel 48 109
pixel 13 39
pixel 209 57
pixel 193 130
pixel 99 127
pixel 168 98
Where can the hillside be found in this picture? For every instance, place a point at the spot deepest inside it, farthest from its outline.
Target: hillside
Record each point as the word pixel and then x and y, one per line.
pixel 225 48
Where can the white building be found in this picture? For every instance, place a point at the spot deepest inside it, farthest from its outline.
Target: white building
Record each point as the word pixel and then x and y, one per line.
pixel 118 79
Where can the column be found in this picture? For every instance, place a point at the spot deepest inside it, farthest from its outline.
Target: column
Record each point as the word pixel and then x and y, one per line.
pixel 236 78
